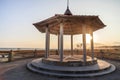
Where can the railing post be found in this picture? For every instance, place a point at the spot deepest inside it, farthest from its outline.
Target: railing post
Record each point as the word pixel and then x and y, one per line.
pixel 10 56
pixel 35 53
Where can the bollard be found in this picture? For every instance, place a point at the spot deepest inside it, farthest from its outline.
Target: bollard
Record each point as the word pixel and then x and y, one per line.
pixel 10 57
pixel 102 54
pixel 35 53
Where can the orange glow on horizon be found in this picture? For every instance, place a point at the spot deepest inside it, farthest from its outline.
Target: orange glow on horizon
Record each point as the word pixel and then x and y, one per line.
pixel 88 38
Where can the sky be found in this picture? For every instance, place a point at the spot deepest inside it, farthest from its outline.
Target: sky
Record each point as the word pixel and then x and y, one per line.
pixel 17 17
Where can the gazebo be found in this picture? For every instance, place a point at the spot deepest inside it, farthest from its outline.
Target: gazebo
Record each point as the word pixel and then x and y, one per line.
pixel 69 24
pixel 64 66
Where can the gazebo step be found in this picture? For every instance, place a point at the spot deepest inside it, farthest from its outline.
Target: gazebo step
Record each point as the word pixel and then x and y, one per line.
pixel 62 74
pixel 62 71
pixel 82 69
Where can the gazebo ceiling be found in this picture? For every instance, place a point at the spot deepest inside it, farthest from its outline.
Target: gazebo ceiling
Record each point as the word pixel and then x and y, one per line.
pixel 72 24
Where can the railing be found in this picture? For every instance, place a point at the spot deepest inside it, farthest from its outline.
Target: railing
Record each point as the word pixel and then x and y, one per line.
pixel 8 56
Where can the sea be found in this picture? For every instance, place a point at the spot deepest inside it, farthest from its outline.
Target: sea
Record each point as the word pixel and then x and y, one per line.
pixel 8 49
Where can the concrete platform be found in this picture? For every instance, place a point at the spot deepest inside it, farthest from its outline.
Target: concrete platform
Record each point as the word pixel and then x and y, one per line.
pixel 100 68
pixel 76 60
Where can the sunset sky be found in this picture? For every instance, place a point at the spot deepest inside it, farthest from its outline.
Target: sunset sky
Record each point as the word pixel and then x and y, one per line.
pixel 17 17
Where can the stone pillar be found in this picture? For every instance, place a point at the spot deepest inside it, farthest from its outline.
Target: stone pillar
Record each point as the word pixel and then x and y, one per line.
pixel 92 45
pixel 71 45
pixel 35 53
pixel 61 42
pixel 10 57
pixel 47 42
pixel 58 44
pixel 84 43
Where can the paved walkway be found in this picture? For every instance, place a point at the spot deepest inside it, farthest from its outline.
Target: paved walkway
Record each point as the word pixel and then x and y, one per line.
pixel 17 71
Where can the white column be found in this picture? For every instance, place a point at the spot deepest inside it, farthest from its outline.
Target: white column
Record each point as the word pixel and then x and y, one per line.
pixel 61 42
pixel 47 42
pixel 92 46
pixel 58 44
pixel 71 45
pixel 84 43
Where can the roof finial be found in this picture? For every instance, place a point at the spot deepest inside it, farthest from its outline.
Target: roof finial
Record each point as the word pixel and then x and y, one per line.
pixel 67 12
pixel 67 4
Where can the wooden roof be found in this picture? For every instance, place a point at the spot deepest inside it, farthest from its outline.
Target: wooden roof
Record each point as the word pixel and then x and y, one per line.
pixel 72 24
